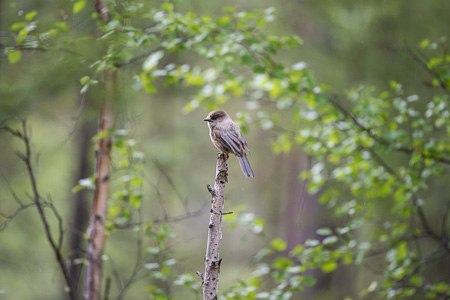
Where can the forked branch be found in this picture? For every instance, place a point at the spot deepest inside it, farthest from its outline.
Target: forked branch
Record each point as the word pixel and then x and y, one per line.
pixel 55 245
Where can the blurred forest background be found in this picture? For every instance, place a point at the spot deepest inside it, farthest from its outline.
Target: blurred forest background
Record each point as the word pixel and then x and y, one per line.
pixel 164 153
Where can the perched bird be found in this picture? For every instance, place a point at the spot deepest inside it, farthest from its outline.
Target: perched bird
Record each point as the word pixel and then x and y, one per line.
pixel 227 137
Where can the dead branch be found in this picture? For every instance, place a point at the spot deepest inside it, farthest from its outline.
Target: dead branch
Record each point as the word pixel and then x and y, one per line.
pixel 212 261
pixel 26 157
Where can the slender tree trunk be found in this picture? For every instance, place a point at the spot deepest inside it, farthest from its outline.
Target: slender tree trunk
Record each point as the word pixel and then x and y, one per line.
pixel 96 230
pixel 79 205
pixel 212 260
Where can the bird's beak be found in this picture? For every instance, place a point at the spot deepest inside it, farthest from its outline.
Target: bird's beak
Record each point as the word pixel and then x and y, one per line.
pixel 207 120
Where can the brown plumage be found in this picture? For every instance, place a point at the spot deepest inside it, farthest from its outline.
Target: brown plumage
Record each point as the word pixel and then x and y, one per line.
pixel 226 136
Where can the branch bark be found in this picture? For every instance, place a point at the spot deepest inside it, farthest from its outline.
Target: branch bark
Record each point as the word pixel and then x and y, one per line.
pixel 212 260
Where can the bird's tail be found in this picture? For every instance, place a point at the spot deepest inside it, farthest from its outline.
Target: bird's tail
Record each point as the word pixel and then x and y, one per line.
pixel 245 166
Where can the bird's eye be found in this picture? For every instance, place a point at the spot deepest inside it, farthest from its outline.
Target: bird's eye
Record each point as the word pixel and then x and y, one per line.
pixel 213 117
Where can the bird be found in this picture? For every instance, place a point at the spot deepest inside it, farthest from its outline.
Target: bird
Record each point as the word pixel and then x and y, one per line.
pixel 226 137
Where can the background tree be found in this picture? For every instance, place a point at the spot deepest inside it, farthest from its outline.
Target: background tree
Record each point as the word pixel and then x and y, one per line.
pixel 371 154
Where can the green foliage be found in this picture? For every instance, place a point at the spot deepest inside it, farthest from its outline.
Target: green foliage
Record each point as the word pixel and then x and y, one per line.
pixel 128 196
pixel 351 138
pixel 350 144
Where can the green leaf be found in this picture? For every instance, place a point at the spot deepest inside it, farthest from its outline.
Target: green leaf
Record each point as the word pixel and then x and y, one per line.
pixel 137 181
pixel 85 183
pixel 330 240
pixel 167 7
pixel 425 43
pixel 229 9
pixel 329 266
pixel 62 26
pixel 278 244
pixel 29 16
pixel 309 281
pixel 77 188
pixel 17 26
pixel 324 231
pixel 84 89
pixel 85 79
pixel 14 56
pixel 298 250
pixel 78 6
pixel 282 263
pixel 312 242
pixel 101 135
pixel 152 61
pixel 136 200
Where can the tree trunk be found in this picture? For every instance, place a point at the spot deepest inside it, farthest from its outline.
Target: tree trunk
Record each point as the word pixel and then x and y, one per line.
pixel 79 206
pixel 212 260
pixel 96 229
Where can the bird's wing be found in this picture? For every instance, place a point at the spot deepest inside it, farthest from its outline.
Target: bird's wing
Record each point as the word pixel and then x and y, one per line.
pixel 244 144
pixel 233 139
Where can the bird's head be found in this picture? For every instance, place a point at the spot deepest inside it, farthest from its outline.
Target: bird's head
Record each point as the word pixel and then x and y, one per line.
pixel 215 117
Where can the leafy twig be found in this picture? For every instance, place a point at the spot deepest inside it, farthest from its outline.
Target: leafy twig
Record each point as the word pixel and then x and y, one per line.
pixel 378 139
pixel 424 65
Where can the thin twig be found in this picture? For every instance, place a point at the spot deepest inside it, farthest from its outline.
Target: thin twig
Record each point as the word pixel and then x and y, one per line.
pixel 138 264
pixel 107 288
pixel 27 157
pixel 443 241
pixel 76 118
pixel 10 217
pixel 167 219
pixel 385 249
pixel 183 200
pixel 60 222
pixel 424 65
pixel 138 57
pixel 11 190
pixel 115 273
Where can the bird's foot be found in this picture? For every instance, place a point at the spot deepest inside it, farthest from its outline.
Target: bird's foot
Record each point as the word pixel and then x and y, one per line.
pixel 225 156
